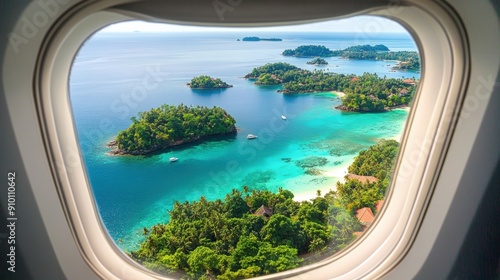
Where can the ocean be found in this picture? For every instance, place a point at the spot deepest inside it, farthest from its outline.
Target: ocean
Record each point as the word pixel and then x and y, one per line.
pixel 116 75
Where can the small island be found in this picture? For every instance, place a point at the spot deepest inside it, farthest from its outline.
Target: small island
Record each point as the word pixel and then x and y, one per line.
pixel 207 82
pixel 256 39
pixel 318 61
pixel 309 51
pixel 365 93
pixel 408 60
pixel 169 126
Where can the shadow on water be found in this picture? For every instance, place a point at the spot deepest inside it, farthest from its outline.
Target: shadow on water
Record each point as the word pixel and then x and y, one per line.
pixel 208 91
pixel 209 139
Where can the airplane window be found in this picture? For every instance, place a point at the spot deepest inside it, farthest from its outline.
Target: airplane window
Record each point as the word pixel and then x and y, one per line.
pixel 232 153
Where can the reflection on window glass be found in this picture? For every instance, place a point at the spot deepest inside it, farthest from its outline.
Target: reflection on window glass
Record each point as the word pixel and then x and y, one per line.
pixel 230 153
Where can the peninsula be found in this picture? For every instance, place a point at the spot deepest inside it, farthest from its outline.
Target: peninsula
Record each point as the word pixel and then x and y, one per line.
pixel 169 126
pixel 365 93
pixel 207 82
pixel 408 60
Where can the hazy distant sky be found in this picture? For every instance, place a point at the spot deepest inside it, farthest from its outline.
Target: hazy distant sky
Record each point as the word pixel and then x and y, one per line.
pixel 366 24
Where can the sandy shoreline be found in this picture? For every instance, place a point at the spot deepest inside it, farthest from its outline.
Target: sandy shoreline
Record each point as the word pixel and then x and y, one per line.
pixel 338 93
pixel 337 173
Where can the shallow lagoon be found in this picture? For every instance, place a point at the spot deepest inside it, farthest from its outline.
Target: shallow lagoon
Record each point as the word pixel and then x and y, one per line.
pixel 309 151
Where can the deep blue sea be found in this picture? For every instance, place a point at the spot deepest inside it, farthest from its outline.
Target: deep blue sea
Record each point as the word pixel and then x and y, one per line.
pixel 117 75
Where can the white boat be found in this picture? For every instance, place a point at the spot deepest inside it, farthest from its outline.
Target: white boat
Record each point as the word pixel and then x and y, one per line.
pixel 251 136
pixel 283 117
pixel 173 159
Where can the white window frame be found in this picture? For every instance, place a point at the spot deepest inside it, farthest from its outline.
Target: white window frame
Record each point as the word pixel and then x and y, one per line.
pixel 426 140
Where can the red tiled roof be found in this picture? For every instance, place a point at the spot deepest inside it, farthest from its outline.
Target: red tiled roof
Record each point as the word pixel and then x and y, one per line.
pixel 365 215
pixel 354 79
pixel 362 179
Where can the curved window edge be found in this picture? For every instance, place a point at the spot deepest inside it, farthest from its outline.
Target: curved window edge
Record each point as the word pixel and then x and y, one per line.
pixel 423 148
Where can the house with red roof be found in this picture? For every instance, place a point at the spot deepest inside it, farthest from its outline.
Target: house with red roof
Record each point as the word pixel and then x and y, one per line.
pixel 365 216
pixel 361 178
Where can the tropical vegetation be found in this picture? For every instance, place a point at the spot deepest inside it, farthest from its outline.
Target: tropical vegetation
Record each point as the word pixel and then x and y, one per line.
pixel 377 161
pixel 249 233
pixel 368 92
pixel 207 82
pixel 409 60
pixel 309 51
pixel 318 61
pixel 172 125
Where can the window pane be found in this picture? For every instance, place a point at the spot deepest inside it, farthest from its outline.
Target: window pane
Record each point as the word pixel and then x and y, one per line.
pixel 241 152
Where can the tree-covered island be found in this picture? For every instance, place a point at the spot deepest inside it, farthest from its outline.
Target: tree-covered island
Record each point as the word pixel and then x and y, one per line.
pixel 256 39
pixel 309 51
pixel 365 93
pixel 207 82
pixel 169 126
pixel 318 61
pixel 408 60
pixel 247 234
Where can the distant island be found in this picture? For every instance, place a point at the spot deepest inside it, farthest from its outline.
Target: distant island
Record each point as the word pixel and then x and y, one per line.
pixel 318 61
pixel 365 93
pixel 408 60
pixel 169 126
pixel 255 39
pixel 207 82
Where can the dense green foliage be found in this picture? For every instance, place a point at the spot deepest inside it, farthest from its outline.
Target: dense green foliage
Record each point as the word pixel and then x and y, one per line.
pixel 409 59
pixel 410 63
pixel 277 69
pixel 172 125
pixel 367 92
pixel 251 38
pixel 377 161
pixel 222 239
pixel 207 82
pixel 367 48
pixel 309 51
pixel 318 61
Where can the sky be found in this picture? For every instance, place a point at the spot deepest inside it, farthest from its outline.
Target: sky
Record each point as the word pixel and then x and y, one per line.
pixel 364 24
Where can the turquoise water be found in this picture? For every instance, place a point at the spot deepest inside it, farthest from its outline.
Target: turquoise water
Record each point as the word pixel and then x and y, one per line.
pixel 116 75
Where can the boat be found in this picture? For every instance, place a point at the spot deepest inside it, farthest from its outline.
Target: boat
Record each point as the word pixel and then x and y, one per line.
pixel 283 117
pixel 251 136
pixel 173 159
